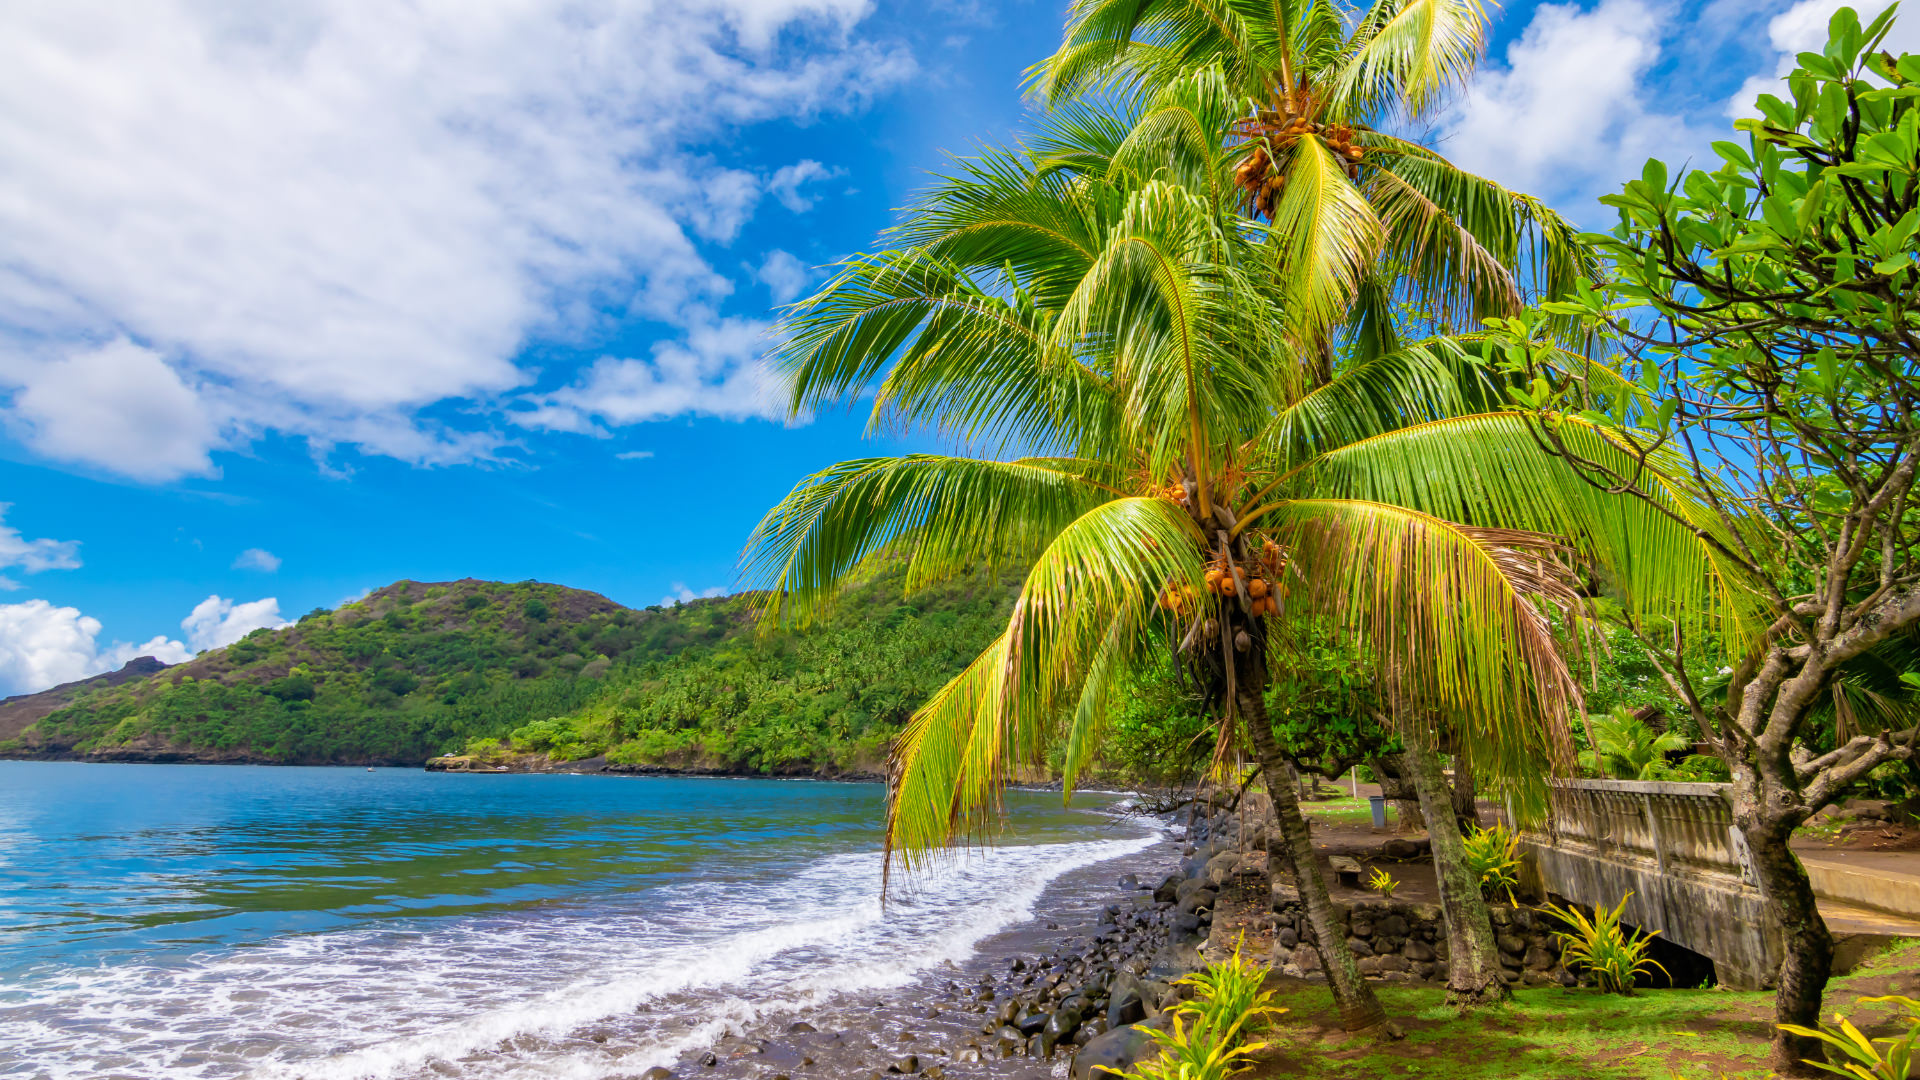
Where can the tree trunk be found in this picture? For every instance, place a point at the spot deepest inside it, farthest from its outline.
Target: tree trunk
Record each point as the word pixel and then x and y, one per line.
pixel 1393 785
pixel 1473 957
pixel 1359 1009
pixel 1806 944
pixel 1466 795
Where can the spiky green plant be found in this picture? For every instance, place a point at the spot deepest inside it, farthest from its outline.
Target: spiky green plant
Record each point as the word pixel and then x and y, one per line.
pixel 1863 1058
pixel 1614 955
pixel 1228 995
pixel 1382 882
pixel 1493 858
pixel 1196 1052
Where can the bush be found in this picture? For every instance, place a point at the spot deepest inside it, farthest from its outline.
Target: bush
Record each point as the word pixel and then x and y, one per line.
pixel 1604 947
pixel 1864 1058
pixel 1493 858
pixel 1228 1005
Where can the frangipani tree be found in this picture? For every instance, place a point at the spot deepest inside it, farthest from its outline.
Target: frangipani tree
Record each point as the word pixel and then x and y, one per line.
pixel 1183 476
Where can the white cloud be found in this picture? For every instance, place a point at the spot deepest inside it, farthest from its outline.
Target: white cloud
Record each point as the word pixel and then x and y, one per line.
pixel 216 622
pixel 33 556
pixel 634 455
pixel 789 179
pixel 257 559
pixel 42 645
pixel 1568 117
pixel 681 594
pixel 322 217
pixel 1803 28
pixel 117 406
pixel 784 275
pixel 717 371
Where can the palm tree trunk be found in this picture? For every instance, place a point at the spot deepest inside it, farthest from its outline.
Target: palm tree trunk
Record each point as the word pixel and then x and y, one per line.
pixel 1359 1009
pixel 1466 795
pixel 1473 956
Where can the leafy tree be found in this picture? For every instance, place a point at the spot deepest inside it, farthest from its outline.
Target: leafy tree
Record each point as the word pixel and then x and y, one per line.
pixel 1766 313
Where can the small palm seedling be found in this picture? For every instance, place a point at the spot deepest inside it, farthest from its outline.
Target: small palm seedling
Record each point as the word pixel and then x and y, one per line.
pixel 1382 882
pixel 1613 954
pixel 1493 858
pixel 1854 1055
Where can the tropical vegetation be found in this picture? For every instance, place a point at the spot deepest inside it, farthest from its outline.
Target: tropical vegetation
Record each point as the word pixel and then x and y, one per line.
pixel 1193 409
pixel 1764 313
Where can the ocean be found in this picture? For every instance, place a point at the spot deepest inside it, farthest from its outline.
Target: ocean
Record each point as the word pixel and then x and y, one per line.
pixel 233 921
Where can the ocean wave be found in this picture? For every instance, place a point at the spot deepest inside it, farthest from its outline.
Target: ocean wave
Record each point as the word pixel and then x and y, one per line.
pixel 521 994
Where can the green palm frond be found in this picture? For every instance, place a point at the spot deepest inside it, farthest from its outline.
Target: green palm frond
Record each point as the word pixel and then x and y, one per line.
pixel 1667 555
pixel 1408 53
pixel 1325 237
pixel 948 514
pixel 1107 567
pixel 1454 616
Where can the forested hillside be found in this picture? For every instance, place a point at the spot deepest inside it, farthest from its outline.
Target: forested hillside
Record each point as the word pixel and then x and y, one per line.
pixel 415 669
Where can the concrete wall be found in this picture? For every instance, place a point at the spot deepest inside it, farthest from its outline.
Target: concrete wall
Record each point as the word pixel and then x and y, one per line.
pixel 1673 847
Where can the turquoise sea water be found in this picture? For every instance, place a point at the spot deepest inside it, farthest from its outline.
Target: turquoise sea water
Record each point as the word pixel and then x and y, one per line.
pixel 212 921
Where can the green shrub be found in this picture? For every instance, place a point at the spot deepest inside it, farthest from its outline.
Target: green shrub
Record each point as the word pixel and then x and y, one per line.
pixel 1604 947
pixel 1493 858
pixel 1865 1059
pixel 1228 1005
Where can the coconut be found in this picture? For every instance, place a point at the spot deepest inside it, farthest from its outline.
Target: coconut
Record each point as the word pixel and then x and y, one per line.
pixel 1256 588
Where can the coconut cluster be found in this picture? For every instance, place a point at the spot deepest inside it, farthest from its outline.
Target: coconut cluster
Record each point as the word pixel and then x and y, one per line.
pixel 1257 173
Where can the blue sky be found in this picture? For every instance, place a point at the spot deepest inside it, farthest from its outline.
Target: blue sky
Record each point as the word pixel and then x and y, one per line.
pixel 300 299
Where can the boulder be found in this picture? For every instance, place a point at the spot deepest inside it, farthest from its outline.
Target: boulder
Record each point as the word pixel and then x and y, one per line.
pixel 1118 1050
pixel 1126 1005
pixel 801 1027
pixel 1060 1027
pixel 908 1065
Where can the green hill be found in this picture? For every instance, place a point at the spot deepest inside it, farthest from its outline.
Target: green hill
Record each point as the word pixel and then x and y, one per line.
pixel 416 670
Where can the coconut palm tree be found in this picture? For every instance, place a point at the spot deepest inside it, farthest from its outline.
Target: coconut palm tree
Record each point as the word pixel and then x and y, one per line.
pixel 1123 368
pixel 1360 216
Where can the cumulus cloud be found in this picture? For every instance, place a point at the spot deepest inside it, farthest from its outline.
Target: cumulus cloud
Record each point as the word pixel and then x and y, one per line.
pixel 718 370
pixel 789 179
pixel 681 594
pixel 42 645
pixel 257 559
pixel 322 218
pixel 118 406
pixel 216 622
pixel 32 556
pixel 1568 115
pixel 784 275
pixel 1803 28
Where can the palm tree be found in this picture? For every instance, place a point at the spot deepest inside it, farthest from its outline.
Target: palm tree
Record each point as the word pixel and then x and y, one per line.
pixel 1182 476
pixel 1360 217
pixel 1627 747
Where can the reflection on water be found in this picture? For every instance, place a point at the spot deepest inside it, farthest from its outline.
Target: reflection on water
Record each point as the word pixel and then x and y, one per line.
pixel 222 921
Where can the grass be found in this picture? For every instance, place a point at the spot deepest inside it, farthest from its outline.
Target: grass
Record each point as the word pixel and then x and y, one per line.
pixel 1345 810
pixel 1547 1033
pixel 1550 1033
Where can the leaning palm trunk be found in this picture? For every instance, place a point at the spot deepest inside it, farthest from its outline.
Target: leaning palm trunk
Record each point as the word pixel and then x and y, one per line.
pixel 1473 956
pixel 1360 1009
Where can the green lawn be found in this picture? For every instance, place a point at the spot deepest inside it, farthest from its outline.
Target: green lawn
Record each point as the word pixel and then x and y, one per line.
pixel 1551 1033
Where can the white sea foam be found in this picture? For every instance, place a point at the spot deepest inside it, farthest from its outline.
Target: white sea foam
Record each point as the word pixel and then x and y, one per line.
pixel 517 995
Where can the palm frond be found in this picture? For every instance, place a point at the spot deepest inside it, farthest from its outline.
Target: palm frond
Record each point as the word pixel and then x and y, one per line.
pixel 944 515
